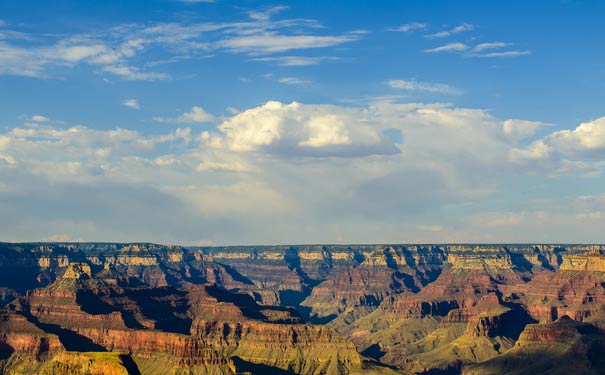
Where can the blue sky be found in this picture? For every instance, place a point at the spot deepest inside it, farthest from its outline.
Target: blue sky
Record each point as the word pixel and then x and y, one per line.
pixel 223 122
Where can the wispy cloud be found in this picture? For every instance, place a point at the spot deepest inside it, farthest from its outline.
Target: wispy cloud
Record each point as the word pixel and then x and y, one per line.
pixel 131 103
pixel 197 114
pixel 266 14
pixel 431 228
pixel 294 81
pixel 491 49
pixel 450 47
pixel 296 60
pixel 267 43
pixel 482 50
pixel 39 118
pixel 458 29
pixel 407 27
pixel 119 50
pixel 491 45
pixel 506 54
pixel 134 74
pixel 413 85
pixel 34 60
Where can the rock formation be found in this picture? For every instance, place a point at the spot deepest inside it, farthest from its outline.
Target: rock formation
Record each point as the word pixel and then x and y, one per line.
pixel 150 309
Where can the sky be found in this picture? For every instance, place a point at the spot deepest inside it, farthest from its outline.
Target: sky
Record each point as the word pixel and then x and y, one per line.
pixel 203 122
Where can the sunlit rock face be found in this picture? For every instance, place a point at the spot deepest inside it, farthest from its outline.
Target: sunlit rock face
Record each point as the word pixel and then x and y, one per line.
pixel 153 309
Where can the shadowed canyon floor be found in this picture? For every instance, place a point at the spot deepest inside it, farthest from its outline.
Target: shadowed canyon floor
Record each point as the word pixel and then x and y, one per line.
pixel 102 308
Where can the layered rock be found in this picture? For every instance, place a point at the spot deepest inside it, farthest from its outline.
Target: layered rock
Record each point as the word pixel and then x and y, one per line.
pixel 18 335
pixel 224 310
pixel 577 290
pixel 562 347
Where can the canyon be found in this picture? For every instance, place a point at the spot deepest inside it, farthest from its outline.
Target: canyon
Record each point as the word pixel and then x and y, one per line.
pixel 141 308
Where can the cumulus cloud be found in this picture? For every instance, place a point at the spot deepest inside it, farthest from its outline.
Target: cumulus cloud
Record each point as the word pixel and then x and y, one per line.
pixel 521 129
pixel 196 115
pixel 63 237
pixel 413 85
pixel 131 103
pixel 314 130
pixel 587 140
pixel 536 151
pixel 289 173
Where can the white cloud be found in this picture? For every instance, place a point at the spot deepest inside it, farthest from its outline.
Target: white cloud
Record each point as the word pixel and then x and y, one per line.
pixel 480 50
pixel 450 47
pixel 590 202
pixel 515 53
pixel 491 45
pixel 273 43
pixel 407 27
pixel 505 219
pixel 58 238
pixel 292 173
pixel 196 115
pixel 295 128
pixel 133 74
pixel 413 85
pixel 296 60
pixel 587 140
pixel 39 118
pixel 131 103
pixel 536 151
pixel 458 29
pixel 266 14
pixel 431 228
pixel 294 81
pixel 521 129
pixel 114 51
pixel 33 61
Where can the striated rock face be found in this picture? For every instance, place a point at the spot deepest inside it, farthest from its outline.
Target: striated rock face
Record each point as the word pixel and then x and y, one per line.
pixel 562 347
pixel 17 334
pixel 86 363
pixel 152 309
pixel 281 346
pixel 380 273
pixel 179 350
pixel 593 261
pixel 577 290
pixel 198 329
